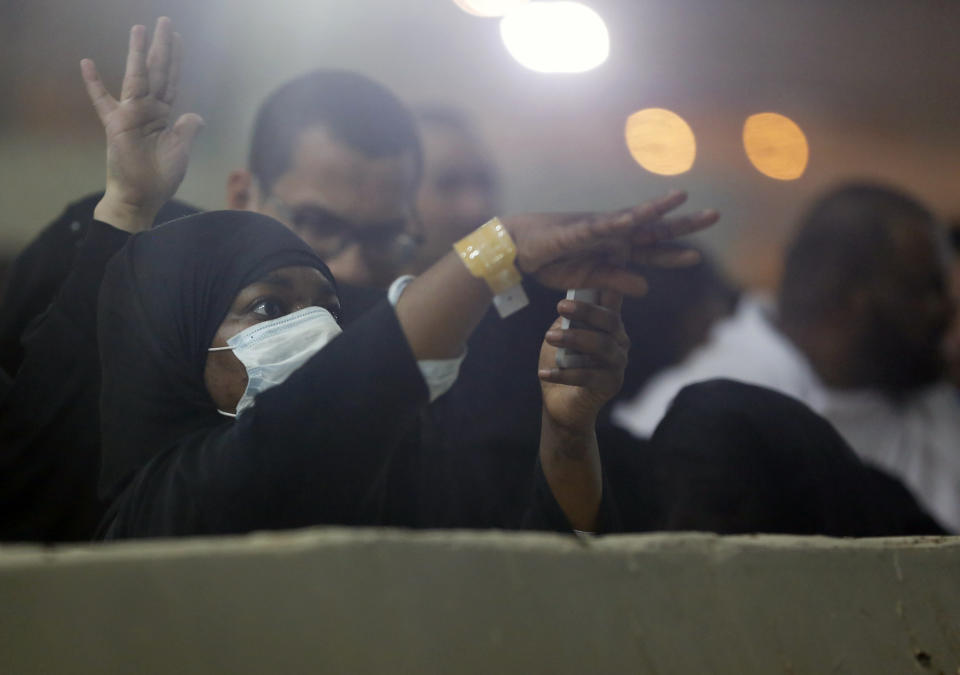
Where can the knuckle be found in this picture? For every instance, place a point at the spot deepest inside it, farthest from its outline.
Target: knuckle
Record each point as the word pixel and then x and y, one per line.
pixel 612 347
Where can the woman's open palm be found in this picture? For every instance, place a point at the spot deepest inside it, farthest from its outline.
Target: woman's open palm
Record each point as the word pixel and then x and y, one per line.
pixel 146 156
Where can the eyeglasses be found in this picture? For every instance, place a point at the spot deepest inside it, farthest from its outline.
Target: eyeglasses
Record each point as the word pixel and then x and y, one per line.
pixel 330 234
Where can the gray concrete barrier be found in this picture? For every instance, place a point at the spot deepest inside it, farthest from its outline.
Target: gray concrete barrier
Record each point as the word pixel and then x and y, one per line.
pixel 367 601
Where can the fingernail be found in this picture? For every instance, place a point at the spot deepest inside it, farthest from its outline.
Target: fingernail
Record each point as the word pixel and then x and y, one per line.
pixel 566 306
pixel 545 372
pixel 555 335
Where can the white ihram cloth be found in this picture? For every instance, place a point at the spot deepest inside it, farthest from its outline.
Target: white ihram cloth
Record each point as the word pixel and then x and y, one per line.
pixel 917 440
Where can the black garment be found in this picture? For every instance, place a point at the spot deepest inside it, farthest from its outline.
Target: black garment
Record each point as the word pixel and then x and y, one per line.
pixel 332 444
pixel 43 266
pixel 49 417
pixel 488 424
pixel 734 458
pixel 355 301
pixel 485 431
pixel 315 449
pixel 162 299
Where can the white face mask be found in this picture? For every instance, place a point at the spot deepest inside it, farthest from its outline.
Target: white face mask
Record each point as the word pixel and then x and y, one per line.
pixel 272 350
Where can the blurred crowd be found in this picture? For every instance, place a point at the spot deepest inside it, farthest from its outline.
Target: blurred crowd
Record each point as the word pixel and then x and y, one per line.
pixel 828 407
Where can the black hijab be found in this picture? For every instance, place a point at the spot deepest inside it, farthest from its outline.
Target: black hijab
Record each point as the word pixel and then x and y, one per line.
pixel 163 297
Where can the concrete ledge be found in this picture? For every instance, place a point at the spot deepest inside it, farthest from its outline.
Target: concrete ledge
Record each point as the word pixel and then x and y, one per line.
pixel 367 601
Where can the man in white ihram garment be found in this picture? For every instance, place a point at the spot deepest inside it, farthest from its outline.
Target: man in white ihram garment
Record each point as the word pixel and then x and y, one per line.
pixel 855 333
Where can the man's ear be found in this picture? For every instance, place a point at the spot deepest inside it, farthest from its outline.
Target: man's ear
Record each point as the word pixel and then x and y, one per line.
pixel 242 194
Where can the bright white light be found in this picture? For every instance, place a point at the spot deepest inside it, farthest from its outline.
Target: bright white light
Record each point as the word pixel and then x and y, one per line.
pixel 556 37
pixel 488 7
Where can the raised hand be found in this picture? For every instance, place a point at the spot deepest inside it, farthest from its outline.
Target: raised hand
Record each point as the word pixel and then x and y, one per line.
pixel 146 156
pixel 597 250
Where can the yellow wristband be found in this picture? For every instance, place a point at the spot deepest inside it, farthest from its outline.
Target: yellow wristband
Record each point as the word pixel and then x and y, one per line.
pixel 489 253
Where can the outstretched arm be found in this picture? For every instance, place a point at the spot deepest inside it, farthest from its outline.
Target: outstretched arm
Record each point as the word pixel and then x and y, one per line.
pixel 439 310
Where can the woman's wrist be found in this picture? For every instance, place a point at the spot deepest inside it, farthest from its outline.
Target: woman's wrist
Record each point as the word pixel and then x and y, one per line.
pixel 574 419
pixel 489 253
pixel 123 215
pixel 570 459
pixel 570 439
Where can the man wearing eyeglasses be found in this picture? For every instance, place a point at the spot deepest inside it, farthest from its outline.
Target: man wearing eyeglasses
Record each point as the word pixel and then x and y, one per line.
pixel 336 157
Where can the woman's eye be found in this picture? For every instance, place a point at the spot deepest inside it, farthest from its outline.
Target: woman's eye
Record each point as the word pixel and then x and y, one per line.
pixel 267 309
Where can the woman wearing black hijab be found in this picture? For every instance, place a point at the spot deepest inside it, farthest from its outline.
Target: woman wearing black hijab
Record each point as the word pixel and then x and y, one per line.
pixel 315 448
pixel 187 310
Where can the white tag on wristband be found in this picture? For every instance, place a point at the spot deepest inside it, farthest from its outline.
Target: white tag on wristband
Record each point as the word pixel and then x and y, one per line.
pixel 510 301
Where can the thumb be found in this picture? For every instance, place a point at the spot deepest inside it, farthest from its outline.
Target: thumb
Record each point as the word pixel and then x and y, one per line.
pixel 186 129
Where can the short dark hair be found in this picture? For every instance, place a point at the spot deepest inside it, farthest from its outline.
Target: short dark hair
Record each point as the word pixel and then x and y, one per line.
pixel 356 110
pixel 845 241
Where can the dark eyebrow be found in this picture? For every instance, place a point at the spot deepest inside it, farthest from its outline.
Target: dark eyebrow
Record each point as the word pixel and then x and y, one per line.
pixel 275 279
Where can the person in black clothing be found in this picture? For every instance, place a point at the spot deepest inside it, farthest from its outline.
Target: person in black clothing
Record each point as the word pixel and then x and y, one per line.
pixel 176 299
pixel 286 179
pixel 485 471
pixel 40 269
pixel 305 451
pixel 47 484
pixel 49 416
pixel 735 458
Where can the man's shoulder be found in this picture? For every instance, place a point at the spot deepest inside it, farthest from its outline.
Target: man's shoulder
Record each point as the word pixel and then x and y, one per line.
pixel 744 346
pixel 70 225
pixel 745 343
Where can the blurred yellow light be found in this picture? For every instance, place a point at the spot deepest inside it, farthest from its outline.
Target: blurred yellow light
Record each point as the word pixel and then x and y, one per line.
pixel 488 7
pixel 556 37
pixel 776 146
pixel 661 141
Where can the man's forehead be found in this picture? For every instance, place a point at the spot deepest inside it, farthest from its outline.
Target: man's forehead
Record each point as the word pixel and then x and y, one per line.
pixel 325 170
pixel 317 149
